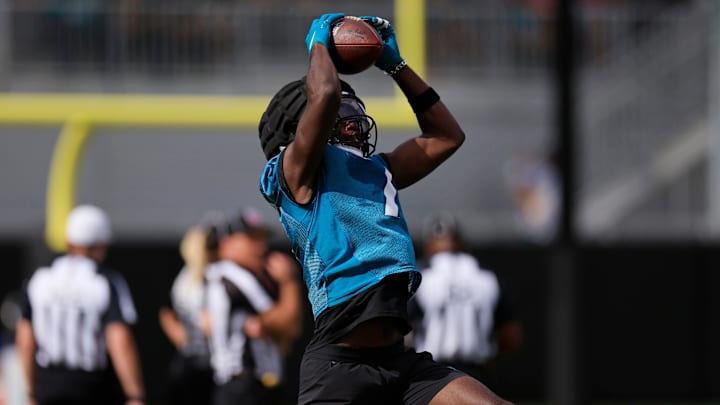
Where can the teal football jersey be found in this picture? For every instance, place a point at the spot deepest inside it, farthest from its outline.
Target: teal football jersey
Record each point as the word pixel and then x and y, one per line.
pixel 352 234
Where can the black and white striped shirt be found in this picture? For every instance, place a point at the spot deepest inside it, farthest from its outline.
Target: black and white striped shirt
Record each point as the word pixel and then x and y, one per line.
pixel 69 304
pixel 233 293
pixel 459 302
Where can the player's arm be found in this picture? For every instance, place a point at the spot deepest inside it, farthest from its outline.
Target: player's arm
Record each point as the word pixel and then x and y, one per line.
pixel 124 356
pixel 441 134
pixel 303 156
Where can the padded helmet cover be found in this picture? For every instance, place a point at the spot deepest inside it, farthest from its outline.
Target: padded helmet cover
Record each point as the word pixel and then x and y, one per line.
pixel 279 121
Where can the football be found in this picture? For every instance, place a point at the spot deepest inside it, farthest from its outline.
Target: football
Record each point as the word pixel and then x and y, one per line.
pixel 356 45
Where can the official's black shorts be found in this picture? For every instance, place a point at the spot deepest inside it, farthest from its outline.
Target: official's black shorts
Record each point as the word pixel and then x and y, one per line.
pixel 59 386
pixel 393 375
pixel 247 391
pixel 190 380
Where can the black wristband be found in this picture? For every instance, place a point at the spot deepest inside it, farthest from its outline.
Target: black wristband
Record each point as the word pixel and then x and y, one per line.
pixel 424 100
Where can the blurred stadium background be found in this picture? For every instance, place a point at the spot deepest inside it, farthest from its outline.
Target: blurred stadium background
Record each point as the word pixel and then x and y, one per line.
pixel 646 196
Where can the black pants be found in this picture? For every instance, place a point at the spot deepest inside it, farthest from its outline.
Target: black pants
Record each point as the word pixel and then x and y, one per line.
pixel 246 391
pixel 59 386
pixel 190 381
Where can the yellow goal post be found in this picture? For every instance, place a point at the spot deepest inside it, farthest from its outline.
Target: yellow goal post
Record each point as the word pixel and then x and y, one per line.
pixel 78 114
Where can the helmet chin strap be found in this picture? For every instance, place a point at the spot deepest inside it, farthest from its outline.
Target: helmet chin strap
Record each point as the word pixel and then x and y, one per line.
pixel 365 148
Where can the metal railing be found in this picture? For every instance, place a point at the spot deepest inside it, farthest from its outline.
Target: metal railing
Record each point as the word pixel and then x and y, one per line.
pixel 221 38
pixel 649 103
pixel 643 72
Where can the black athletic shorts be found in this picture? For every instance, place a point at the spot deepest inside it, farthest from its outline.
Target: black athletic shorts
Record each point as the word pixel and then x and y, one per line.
pixel 336 374
pixel 60 386
pixel 245 390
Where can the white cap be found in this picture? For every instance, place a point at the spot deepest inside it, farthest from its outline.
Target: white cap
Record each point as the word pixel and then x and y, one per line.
pixel 88 225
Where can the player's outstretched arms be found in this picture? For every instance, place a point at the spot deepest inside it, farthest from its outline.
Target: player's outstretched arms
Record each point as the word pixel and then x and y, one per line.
pixel 441 134
pixel 303 156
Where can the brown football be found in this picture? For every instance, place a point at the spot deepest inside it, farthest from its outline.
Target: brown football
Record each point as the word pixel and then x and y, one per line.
pixel 356 45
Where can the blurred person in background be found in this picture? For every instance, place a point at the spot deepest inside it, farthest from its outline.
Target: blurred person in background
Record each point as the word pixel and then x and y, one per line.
pixel 76 314
pixel 534 187
pixel 339 206
pixel 255 312
pixel 190 374
pixel 461 311
pixel 12 380
pixel 3 349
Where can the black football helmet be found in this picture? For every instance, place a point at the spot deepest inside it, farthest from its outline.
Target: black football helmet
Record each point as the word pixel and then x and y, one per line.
pixel 278 123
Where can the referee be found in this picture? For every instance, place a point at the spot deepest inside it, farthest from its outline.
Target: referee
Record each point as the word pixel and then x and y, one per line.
pixel 254 304
pixel 76 313
pixel 462 312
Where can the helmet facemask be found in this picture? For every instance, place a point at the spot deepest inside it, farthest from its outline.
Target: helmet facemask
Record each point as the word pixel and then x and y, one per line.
pixel 353 127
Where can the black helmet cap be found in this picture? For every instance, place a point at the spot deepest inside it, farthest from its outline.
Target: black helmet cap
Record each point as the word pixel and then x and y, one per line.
pixel 279 121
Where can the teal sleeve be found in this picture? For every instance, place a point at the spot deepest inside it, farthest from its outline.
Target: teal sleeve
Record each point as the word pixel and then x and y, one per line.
pixel 269 181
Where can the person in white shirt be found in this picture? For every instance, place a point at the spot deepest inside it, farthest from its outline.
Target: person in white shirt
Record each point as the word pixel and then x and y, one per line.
pixel 190 377
pixel 461 311
pixel 253 301
pixel 75 323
